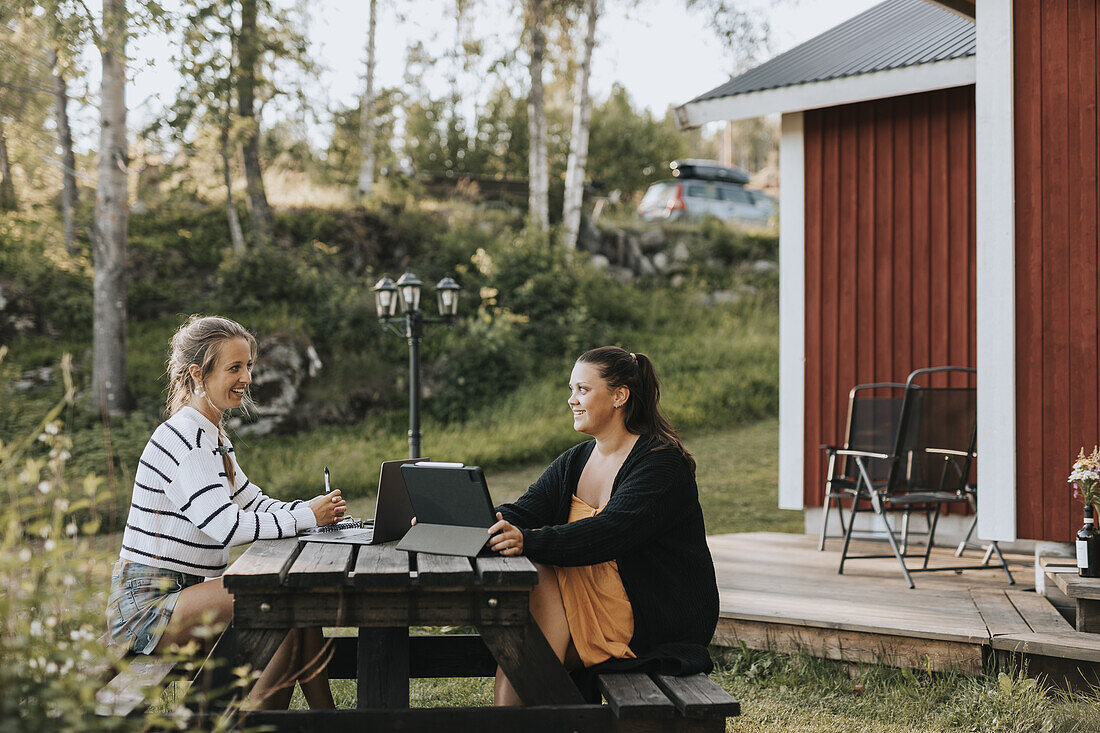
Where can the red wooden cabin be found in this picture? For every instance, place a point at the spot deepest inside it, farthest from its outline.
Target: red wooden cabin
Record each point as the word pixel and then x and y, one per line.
pixel 939 205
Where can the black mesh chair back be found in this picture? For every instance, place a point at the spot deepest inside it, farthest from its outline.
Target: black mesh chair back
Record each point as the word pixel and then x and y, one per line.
pixel 935 442
pixel 873 416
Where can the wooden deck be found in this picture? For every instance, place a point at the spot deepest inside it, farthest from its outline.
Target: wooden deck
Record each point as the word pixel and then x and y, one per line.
pixel 779 592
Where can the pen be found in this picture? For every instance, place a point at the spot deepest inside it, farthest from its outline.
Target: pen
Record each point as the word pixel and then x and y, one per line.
pixel 327 487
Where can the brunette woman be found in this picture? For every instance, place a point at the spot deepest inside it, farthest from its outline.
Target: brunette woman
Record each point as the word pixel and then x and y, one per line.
pixel 614 526
pixel 192 502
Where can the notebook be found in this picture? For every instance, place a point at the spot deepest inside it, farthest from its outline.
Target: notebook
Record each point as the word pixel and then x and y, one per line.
pixel 452 507
pixel 392 512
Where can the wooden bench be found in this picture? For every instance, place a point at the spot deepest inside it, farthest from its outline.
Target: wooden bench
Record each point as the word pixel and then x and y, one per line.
pixel 659 702
pixel 130 677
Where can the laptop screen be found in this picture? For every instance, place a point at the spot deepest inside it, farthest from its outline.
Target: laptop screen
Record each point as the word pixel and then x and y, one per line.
pixel 449 495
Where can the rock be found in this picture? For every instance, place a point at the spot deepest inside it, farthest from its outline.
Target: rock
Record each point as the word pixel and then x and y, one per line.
pixel 34 379
pixel 726 296
pixel 645 267
pixel 660 261
pixel 622 274
pixel 676 281
pixel 764 266
pixel 600 262
pixel 282 364
pixel 704 299
pixel 652 240
pixel 681 252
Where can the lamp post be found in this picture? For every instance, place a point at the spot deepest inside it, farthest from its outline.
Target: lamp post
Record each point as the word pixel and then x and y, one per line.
pixel 406 291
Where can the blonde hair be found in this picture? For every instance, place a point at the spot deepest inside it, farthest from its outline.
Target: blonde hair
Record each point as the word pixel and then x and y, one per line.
pixel 199 341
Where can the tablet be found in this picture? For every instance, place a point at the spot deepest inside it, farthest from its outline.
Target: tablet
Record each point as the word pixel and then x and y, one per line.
pixel 453 509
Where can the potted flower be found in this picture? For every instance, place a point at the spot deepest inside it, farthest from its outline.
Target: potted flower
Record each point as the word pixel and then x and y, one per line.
pixel 1085 478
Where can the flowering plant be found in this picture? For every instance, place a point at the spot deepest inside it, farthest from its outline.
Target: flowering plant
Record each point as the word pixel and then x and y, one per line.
pixel 1085 477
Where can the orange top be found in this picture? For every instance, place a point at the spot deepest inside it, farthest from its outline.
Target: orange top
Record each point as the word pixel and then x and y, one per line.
pixel 600 618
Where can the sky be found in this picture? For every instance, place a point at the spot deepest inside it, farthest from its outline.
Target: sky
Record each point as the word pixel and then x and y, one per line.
pixel 662 54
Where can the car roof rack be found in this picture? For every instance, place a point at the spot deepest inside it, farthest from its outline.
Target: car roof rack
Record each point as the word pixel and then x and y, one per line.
pixel 710 170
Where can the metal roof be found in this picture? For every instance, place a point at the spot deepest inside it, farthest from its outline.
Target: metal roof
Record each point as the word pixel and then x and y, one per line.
pixel 891 35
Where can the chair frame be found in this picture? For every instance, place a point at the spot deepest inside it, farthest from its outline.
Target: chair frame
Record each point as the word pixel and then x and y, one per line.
pixel 885 499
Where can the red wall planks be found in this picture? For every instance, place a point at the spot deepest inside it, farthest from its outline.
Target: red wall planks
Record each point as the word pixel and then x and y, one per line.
pixel 889 250
pixel 1056 53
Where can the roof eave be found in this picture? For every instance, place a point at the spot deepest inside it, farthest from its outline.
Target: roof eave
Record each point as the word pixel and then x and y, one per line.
pixel 831 92
pixel 962 8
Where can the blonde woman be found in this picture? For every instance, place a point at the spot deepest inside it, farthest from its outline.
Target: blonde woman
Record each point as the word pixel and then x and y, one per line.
pixel 191 502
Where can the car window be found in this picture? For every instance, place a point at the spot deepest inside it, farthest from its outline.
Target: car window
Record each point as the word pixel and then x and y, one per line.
pixel 735 194
pixel 695 190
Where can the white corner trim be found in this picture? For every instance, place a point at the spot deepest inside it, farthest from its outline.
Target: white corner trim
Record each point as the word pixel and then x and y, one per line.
pixel 792 310
pixel 996 275
pixel 832 92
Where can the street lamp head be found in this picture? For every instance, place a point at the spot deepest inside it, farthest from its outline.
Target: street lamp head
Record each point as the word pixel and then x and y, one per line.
pixel 446 292
pixel 385 298
pixel 409 285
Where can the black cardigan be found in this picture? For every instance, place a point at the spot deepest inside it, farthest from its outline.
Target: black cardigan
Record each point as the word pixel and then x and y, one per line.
pixel 653 527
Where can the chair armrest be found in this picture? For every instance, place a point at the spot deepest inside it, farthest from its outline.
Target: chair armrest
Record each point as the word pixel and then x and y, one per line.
pixel 860 453
pixel 950 452
pixel 830 448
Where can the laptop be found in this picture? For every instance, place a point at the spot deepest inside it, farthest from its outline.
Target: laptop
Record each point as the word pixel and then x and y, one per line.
pixel 452 507
pixel 392 512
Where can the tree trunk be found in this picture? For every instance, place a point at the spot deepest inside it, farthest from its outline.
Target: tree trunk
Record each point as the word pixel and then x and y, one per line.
pixel 69 192
pixel 235 233
pixel 249 55
pixel 111 214
pixel 366 116
pixel 8 201
pixel 578 139
pixel 538 170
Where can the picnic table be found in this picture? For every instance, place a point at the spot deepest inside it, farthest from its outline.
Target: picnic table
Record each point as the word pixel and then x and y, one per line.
pixel 278 585
pixel 282 584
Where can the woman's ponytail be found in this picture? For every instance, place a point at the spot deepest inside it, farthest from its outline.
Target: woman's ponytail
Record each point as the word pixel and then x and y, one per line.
pixel 642 411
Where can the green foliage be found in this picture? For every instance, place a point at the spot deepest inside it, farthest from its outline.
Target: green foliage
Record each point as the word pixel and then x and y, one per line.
pixel 40 283
pixel 628 149
pixel 55 575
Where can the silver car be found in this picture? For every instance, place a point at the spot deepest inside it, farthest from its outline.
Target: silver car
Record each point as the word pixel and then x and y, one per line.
pixel 705 188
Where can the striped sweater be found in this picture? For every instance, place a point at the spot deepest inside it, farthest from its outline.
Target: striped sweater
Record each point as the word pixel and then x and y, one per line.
pixel 183 514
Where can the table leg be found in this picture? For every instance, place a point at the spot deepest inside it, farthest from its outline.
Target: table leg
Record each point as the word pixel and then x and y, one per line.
pixel 383 668
pixel 530 664
pixel 1088 615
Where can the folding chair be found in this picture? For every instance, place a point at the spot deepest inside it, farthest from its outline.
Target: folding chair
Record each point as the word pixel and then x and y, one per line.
pixel 872 426
pixel 929 465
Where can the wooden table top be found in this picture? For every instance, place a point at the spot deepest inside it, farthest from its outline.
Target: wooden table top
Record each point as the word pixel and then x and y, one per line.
pixel 292 563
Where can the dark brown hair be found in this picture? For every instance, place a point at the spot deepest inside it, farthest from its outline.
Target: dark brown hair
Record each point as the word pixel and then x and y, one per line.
pixel 642 411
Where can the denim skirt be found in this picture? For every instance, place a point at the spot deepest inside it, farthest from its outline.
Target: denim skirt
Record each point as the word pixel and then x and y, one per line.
pixel 141 602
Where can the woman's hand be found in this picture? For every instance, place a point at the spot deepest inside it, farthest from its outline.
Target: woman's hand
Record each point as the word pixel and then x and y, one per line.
pixel 328 508
pixel 506 538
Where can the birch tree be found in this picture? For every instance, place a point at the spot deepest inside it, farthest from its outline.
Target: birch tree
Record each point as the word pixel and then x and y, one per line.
pixel 111 218
pixel 69 191
pixel 538 167
pixel 248 53
pixel 578 140
pixel 367 114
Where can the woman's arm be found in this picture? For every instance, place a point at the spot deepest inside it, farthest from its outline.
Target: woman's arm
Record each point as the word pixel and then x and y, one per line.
pixel 200 495
pixel 537 506
pixel 654 496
